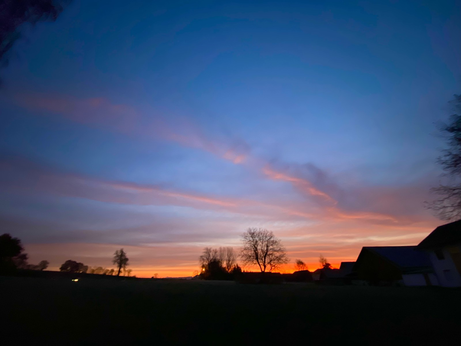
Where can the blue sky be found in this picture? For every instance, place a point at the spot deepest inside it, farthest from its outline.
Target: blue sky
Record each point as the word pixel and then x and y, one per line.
pixel 141 124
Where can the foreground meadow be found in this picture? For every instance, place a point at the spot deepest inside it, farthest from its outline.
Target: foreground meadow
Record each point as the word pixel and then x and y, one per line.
pixel 157 312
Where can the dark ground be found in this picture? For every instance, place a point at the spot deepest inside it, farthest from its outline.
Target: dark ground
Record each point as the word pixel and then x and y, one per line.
pixel 169 312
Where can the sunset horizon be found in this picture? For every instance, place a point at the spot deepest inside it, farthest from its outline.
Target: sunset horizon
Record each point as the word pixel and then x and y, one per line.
pixel 164 128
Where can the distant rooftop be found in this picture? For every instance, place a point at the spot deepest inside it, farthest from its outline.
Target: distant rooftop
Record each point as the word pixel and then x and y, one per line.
pixel 448 234
pixel 346 267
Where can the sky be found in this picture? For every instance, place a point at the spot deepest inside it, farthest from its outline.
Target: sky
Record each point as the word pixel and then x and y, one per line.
pixel 169 126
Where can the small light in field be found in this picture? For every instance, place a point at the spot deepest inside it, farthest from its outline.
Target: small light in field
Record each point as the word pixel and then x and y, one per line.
pixel 74 280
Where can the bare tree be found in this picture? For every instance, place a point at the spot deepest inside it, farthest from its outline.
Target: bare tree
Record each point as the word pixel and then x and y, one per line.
pixel 228 258
pixel 324 262
pixel 209 255
pixel 262 248
pixel 300 265
pixel 448 204
pixel 120 260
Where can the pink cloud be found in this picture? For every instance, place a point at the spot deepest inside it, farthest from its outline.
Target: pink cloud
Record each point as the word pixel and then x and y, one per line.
pixel 362 203
pixel 92 111
pixel 303 185
pixel 26 177
pixel 101 113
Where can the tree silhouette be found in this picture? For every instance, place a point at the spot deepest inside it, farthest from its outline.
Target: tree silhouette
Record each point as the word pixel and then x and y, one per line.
pixel 260 247
pixel 300 265
pixel 98 270
pixel 43 265
pixel 70 266
pixel 228 258
pixel 448 205
pixel 211 263
pixel 324 262
pixel 20 261
pixel 209 255
pixel 11 254
pixel 120 260
pixel 14 13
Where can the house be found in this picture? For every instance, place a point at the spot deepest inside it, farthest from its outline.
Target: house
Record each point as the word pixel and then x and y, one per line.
pixel 331 276
pixel 316 274
pixel 298 276
pixel 443 247
pixel 394 265
pixel 334 276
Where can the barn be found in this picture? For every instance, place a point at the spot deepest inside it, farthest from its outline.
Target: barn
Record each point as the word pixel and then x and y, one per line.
pixel 387 265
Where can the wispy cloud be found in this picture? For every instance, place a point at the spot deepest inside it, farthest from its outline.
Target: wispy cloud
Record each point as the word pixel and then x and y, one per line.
pixel 302 185
pixel 19 174
pixel 328 200
pixel 23 176
pixel 94 111
pixel 149 124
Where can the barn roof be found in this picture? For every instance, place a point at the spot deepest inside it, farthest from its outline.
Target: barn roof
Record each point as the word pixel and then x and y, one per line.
pixel 448 234
pixel 405 257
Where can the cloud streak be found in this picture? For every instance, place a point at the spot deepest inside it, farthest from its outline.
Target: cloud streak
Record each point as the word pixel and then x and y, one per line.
pixel 19 174
pixel 103 114
pixel 325 206
pixel 302 185
pixel 326 199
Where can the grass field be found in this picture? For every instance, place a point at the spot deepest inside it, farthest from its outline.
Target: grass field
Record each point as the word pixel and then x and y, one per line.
pixel 170 312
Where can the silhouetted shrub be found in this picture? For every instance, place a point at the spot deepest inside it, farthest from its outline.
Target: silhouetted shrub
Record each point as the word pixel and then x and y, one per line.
pixel 215 271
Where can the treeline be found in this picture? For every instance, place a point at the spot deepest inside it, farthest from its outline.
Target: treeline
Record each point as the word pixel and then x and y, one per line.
pixel 120 260
pixel 71 266
pixel 13 258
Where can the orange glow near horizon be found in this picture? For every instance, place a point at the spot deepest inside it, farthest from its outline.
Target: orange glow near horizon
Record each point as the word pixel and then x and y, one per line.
pixel 337 244
pixel 179 273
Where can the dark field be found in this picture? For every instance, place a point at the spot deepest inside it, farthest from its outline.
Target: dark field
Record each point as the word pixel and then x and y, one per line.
pixel 170 312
